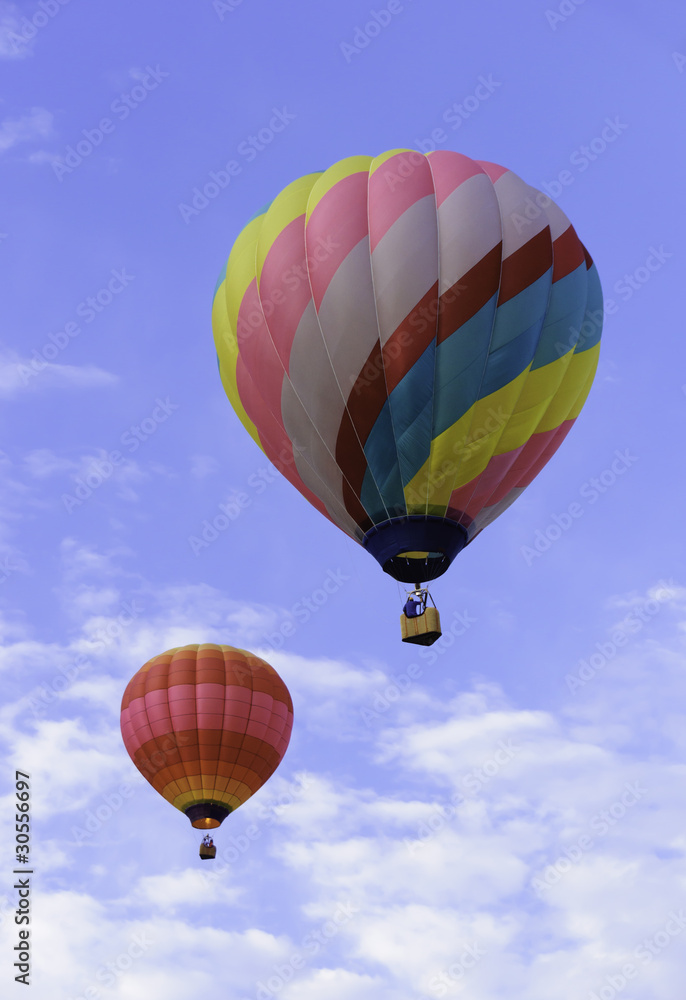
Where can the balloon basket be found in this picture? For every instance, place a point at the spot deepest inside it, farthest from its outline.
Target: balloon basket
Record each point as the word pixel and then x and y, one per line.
pixel 423 629
pixel 207 852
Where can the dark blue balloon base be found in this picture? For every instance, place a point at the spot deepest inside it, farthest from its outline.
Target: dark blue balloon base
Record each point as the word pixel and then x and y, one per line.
pixel 441 538
pixel 206 815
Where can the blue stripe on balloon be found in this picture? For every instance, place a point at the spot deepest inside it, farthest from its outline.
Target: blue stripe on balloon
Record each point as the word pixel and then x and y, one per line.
pixel 459 367
pixel 520 313
pixel 411 408
pixel 477 360
pixel 508 362
pixel 593 323
pixel 222 276
pixel 560 333
pixel 383 472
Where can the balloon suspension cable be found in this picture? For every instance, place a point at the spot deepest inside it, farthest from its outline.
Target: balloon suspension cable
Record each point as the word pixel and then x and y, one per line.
pixel 422 593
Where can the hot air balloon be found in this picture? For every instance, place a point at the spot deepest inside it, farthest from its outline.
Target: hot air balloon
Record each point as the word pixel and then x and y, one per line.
pixel 206 725
pixel 409 339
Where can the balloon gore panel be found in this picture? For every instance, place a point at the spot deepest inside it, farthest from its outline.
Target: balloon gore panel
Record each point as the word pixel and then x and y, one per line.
pixel 409 338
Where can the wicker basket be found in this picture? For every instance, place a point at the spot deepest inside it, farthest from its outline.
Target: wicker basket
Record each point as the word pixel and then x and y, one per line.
pixel 423 629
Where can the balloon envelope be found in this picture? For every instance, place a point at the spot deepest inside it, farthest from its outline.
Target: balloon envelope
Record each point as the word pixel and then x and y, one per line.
pixel 206 725
pixel 409 338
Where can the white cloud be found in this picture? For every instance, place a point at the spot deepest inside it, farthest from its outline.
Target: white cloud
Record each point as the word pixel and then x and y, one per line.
pixel 187 888
pixel 18 374
pixel 42 463
pixel 12 43
pixel 203 465
pixel 457 825
pixel 37 124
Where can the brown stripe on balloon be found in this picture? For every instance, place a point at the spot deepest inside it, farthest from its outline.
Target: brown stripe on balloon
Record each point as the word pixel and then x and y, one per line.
pixel 364 404
pixel 568 254
pixel 407 344
pixel 526 265
pixel 470 293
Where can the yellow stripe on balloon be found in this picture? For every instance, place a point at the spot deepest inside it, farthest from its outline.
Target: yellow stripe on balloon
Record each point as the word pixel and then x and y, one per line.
pixel 331 177
pixel 462 452
pixel 388 155
pixel 539 390
pixel 287 206
pixel 571 396
pixel 240 270
pixel 227 354
pixel 535 402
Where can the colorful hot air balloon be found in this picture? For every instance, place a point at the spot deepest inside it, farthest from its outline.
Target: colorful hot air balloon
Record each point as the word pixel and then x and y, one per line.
pixel 206 725
pixel 409 339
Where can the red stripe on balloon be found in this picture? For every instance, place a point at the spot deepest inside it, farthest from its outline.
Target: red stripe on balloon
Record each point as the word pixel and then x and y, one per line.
pixel 568 254
pixel 526 265
pixel 471 293
pixel 336 226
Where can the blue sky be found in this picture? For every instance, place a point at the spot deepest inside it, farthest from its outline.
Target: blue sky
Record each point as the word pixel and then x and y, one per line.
pixel 501 817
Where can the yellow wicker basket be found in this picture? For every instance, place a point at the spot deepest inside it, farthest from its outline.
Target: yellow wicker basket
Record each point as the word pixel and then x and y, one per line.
pixel 424 629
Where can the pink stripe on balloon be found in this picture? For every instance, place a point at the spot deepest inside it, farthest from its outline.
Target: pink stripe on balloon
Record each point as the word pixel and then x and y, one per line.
pixel 181 692
pixel 160 727
pixel 262 699
pixel 449 170
pixel 210 720
pixel 393 188
pixel 494 170
pixel 257 350
pixel 555 439
pixel 284 290
pixel 275 442
pixel 336 226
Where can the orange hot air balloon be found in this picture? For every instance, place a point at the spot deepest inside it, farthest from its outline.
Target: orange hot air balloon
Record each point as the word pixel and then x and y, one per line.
pixel 206 725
